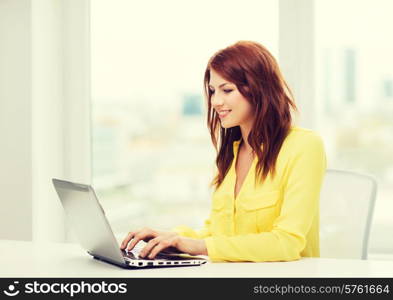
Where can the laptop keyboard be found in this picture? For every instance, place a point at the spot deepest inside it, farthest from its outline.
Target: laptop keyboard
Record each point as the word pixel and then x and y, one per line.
pixel 134 255
pixel 130 255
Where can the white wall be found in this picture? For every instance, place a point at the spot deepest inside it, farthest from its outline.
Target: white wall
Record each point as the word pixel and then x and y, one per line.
pixel 15 120
pixel 296 55
pixel 47 121
pixel 44 112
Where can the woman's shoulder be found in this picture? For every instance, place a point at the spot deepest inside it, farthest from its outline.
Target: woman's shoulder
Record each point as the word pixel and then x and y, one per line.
pixel 300 138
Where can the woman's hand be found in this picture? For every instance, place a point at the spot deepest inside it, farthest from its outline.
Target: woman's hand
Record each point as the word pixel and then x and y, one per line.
pixel 162 240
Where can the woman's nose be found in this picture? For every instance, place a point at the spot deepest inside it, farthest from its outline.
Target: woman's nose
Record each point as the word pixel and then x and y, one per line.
pixel 217 101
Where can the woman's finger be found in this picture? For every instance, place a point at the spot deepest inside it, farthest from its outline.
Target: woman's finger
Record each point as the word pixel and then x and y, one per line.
pixel 149 246
pixel 141 235
pixel 129 236
pixel 137 237
pixel 163 244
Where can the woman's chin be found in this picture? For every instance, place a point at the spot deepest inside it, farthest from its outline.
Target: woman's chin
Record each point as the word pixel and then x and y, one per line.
pixel 227 125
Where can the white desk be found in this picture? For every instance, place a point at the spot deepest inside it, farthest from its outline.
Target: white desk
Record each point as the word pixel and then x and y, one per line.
pixel 28 259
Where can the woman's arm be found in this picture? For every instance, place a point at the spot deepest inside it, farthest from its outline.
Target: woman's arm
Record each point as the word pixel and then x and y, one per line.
pixel 187 231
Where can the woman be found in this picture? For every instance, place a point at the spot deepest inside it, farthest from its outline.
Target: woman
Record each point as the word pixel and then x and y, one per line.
pixel 265 204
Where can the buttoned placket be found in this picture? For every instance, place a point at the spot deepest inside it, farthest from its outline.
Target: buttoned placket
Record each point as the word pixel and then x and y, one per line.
pixel 236 200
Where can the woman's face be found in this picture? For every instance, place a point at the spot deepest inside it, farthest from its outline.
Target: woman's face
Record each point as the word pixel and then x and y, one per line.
pixel 232 108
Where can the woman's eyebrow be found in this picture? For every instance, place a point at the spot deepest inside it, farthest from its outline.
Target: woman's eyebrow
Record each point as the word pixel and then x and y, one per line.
pixel 222 84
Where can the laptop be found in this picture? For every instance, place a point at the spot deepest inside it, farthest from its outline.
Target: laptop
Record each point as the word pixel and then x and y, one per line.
pixel 85 213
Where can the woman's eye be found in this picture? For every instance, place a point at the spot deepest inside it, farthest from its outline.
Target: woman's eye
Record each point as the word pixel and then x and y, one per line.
pixel 226 91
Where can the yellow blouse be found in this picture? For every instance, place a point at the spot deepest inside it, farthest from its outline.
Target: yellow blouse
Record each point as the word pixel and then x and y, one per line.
pixel 277 220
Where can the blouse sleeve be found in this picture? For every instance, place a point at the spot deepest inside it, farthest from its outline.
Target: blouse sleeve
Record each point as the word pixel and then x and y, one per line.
pixel 287 238
pixel 186 231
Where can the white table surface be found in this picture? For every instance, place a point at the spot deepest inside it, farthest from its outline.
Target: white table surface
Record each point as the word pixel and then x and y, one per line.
pixel 35 259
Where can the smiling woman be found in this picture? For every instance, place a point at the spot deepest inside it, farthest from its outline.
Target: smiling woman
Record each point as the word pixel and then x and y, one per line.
pixel 265 206
pixel 261 97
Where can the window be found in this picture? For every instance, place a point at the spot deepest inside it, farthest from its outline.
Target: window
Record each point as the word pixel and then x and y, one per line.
pixel 355 103
pixel 152 155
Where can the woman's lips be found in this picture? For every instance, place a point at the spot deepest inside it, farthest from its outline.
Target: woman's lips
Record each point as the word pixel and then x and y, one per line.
pixel 223 113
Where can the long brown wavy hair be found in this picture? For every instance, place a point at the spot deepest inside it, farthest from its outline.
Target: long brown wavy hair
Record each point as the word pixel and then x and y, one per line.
pixel 256 74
